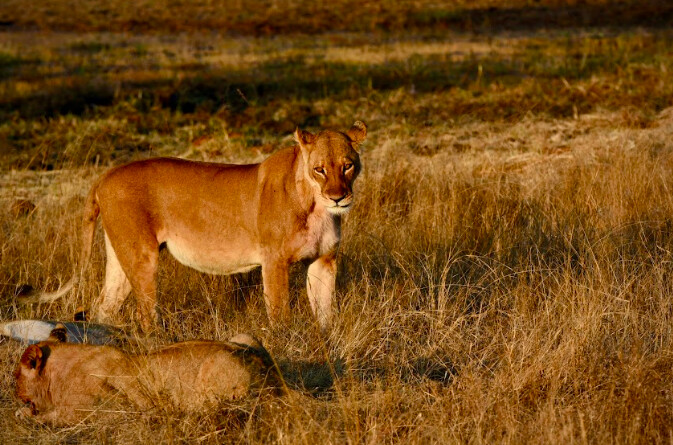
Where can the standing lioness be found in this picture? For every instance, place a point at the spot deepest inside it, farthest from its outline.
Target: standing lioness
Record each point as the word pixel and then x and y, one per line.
pixel 224 219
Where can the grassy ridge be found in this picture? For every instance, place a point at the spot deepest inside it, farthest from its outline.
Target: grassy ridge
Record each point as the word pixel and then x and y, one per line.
pixel 105 96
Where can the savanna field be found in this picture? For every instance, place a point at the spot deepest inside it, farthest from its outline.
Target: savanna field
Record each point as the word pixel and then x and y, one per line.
pixel 506 273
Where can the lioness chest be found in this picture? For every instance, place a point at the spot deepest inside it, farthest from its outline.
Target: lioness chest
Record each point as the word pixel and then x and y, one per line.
pixel 319 236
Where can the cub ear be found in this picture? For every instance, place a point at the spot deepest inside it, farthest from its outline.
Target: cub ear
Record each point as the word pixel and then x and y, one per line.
pixel 303 138
pixel 358 132
pixel 32 357
pixel 59 334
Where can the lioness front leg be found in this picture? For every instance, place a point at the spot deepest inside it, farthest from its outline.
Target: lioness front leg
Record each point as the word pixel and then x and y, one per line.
pixel 275 275
pixel 320 281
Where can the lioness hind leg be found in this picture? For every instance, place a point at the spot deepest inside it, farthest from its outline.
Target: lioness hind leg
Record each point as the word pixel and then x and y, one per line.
pixel 116 288
pixel 320 281
pixel 138 256
pixel 144 282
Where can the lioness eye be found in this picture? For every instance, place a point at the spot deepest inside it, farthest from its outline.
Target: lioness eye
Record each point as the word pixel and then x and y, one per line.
pixel 319 170
pixel 348 166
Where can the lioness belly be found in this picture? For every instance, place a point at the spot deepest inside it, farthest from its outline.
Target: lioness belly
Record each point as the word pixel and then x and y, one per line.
pixel 213 262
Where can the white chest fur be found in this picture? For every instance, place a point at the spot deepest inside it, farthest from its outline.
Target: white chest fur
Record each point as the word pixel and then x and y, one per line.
pixel 321 235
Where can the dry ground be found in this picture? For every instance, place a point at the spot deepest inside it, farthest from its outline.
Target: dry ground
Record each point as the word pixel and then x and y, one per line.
pixel 504 277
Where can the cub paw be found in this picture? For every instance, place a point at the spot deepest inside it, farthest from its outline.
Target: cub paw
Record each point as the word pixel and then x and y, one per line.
pixel 24 412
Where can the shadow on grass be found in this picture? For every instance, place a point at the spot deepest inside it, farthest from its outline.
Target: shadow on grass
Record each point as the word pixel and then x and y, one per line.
pixel 437 369
pixel 210 91
pixel 9 63
pixel 318 379
pixel 312 377
pixel 613 14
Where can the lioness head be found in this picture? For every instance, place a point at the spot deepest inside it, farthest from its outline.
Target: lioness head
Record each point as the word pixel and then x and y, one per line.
pixel 331 164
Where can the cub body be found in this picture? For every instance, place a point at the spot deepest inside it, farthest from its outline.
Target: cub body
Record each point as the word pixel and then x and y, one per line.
pixel 63 383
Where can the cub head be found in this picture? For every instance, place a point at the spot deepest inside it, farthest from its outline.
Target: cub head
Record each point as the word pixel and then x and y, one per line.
pixel 331 164
pixel 32 363
pixel 28 371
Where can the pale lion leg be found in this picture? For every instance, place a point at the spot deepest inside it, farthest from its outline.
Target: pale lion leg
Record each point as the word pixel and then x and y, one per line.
pixel 116 288
pixel 320 282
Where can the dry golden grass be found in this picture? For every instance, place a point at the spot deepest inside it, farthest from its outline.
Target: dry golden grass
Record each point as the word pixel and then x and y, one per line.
pixel 497 295
pixel 505 276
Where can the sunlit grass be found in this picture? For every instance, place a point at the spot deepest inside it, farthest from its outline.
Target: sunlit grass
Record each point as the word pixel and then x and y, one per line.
pixel 505 275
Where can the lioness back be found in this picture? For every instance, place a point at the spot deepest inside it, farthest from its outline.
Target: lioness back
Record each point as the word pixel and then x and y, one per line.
pixel 181 203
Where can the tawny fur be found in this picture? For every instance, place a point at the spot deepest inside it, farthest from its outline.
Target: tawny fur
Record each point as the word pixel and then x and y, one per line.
pixel 223 219
pixel 63 383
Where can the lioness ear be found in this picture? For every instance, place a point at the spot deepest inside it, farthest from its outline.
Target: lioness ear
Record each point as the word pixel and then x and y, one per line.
pixel 59 334
pixel 358 132
pixel 303 137
pixel 32 357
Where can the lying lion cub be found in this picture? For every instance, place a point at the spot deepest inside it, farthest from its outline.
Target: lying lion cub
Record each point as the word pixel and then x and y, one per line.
pixel 63 383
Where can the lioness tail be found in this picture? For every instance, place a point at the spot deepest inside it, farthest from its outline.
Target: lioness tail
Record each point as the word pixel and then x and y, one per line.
pixel 91 211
